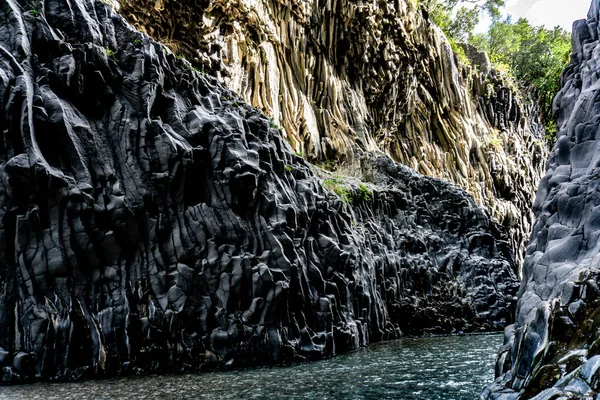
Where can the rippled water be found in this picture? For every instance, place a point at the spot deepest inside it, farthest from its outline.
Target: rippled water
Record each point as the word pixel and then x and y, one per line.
pixel 448 368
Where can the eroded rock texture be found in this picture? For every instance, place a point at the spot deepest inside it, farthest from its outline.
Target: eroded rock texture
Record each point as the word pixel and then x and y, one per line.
pixel 343 76
pixel 553 349
pixel 152 221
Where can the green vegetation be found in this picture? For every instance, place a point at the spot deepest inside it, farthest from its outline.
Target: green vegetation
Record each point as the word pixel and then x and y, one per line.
pixel 136 42
pixel 535 55
pixel 109 53
pixel 495 140
pixel 458 21
pixel 364 192
pixel 272 124
pixel 550 131
pixel 226 98
pixel 337 186
pixel 288 168
pixel 490 91
pixel 34 12
pixel 345 191
pixel 532 56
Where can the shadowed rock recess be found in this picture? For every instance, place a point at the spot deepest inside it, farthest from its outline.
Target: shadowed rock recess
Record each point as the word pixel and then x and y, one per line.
pixel 341 77
pixel 553 349
pixel 152 221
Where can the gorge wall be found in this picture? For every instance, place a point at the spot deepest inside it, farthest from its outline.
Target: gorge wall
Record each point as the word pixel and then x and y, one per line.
pixel 344 77
pixel 153 221
pixel 553 349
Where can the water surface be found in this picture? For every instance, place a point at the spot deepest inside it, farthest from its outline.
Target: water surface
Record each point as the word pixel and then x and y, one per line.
pixel 441 368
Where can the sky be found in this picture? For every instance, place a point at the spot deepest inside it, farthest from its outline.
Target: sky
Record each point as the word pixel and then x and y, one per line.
pixel 545 12
pixel 548 12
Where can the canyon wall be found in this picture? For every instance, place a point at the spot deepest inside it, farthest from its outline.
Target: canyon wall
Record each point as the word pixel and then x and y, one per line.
pixel 153 221
pixel 342 78
pixel 553 349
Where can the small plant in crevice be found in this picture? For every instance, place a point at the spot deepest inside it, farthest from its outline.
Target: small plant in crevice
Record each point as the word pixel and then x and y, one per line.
pixel 288 168
pixel 337 186
pixel 299 154
pixel 364 192
pixel 495 140
pixel 550 130
pixel 109 53
pixel 272 124
pixel 34 12
pixel 137 42
pixel 490 90
pixel 231 99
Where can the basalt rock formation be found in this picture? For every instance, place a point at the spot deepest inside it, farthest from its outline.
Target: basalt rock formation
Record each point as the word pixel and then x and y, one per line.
pixel 553 349
pixel 342 77
pixel 152 221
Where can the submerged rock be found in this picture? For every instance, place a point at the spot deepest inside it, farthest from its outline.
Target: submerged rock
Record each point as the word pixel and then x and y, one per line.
pixel 552 350
pixel 153 221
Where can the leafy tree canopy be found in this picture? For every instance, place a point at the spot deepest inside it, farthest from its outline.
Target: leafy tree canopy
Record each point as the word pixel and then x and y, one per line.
pixel 458 18
pixel 534 55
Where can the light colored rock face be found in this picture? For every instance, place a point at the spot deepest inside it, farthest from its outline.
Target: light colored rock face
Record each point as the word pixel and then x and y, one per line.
pixel 553 348
pixel 342 77
pixel 150 223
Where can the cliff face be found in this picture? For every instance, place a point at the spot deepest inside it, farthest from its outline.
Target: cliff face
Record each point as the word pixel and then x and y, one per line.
pixel 152 221
pixel 344 77
pixel 553 349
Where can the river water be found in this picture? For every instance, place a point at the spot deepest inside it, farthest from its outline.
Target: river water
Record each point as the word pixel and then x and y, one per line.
pixel 444 368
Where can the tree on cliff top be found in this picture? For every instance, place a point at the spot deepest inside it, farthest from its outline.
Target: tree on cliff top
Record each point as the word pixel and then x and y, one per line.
pixel 458 18
pixel 535 56
pixel 492 7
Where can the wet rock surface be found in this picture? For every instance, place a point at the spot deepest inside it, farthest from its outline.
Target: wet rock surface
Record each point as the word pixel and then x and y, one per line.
pixel 553 349
pixel 152 221
pixel 341 77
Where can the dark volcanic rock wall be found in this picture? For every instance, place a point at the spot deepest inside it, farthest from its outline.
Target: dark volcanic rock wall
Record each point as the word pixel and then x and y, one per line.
pixel 342 77
pixel 553 350
pixel 152 221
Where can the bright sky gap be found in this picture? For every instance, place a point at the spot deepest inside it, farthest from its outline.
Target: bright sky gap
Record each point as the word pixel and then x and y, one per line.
pixel 549 13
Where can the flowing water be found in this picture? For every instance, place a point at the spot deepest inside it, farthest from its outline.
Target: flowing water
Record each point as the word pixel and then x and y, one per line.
pixel 445 368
